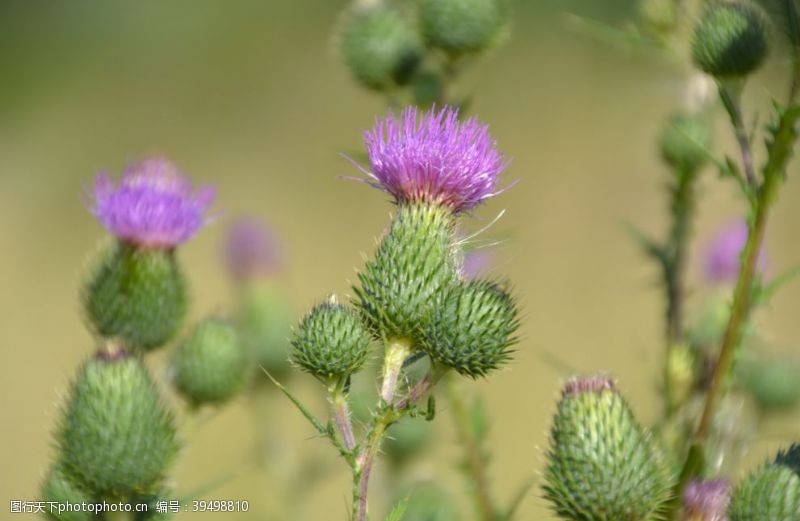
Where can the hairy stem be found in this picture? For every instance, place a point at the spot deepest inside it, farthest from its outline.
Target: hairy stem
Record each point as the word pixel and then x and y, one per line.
pixel 341 415
pixel 396 353
pixel 474 458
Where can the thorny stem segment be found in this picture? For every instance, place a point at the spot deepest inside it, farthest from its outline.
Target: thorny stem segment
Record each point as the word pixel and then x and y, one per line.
pixel 474 456
pixel 341 414
pixel 731 99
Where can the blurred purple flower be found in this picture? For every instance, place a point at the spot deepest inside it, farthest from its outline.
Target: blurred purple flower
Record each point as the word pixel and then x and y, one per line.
pixel 723 255
pixel 251 249
pixel 587 384
pixel 476 262
pixel 432 157
pixel 153 206
pixel 706 500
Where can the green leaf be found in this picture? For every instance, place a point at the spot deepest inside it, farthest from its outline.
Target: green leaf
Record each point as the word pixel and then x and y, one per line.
pixel 649 245
pixel 764 293
pixel 399 510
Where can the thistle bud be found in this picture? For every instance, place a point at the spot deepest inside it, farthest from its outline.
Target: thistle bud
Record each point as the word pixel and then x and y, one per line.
pixel 684 143
pixel 774 384
pixel 772 492
pixel 264 323
pixel 137 296
pixel 473 329
pixel 730 40
pixel 59 488
pixel 461 26
pixel 117 438
pixel 706 500
pixel 379 46
pixel 330 342
pixel 602 465
pixel 211 365
pixel 414 263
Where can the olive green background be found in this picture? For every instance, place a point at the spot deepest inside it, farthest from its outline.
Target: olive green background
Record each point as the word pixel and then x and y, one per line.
pixel 251 96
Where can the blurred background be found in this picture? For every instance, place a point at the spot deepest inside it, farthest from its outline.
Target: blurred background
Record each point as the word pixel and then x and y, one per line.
pixel 252 97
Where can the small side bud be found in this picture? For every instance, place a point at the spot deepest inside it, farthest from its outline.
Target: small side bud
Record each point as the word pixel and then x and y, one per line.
pixel 117 438
pixel 137 295
pixel 474 328
pixel 684 143
pixel 461 26
pixel 706 500
pixel 772 492
pixel 602 464
pixel 210 367
pixel 330 342
pixel 774 384
pixel 59 488
pixel 379 46
pixel 414 263
pixel 730 40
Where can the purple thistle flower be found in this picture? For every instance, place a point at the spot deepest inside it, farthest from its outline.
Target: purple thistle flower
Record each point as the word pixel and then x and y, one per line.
pixel 154 205
pixel 432 157
pixel 251 249
pixel 706 500
pixel 587 384
pixel 475 264
pixel 723 255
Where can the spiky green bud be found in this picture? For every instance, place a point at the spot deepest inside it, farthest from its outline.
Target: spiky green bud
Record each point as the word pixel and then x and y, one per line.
pixel 730 40
pixel 211 365
pixel 137 296
pixel 772 492
pixel 461 26
pixel 602 465
pixel 472 331
pixel 117 438
pixel 59 488
pixel 265 326
pixel 379 46
pixel 684 143
pixel 414 263
pixel 330 342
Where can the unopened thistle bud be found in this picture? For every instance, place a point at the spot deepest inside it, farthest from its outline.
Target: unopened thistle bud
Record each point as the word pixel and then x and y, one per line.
pixel 774 384
pixel 473 329
pixel 772 492
pixel 706 500
pixel 264 322
pixel 211 365
pixel 61 490
pixel 730 40
pixel 136 296
pixel 461 26
pixel 602 465
pixel 379 45
pixel 330 342
pixel 117 438
pixel 685 142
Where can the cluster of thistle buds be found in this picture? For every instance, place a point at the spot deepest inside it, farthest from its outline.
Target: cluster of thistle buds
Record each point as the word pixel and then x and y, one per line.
pixel 602 464
pixel 412 51
pixel 117 437
pixel 412 294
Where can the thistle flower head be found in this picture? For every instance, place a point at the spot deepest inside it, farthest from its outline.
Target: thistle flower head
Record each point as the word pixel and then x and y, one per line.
pixel 433 157
pixel 707 500
pixel 596 383
pixel 251 250
pixel 723 256
pixel 153 206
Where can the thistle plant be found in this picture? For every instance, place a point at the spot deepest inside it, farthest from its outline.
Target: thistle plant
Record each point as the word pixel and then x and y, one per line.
pixel 411 297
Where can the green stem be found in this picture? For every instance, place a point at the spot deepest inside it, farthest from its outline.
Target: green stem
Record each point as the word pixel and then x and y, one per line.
pixel 341 414
pixel 397 351
pixel 730 94
pixel 474 458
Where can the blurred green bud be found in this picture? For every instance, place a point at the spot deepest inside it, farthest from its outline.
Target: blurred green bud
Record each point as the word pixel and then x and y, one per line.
pixel 602 466
pixel 379 46
pixel 461 26
pixel 774 384
pixel 152 500
pixel 428 502
pixel 137 296
pixel 771 493
pixel 211 365
pixel 472 331
pixel 658 18
pixel 730 40
pixel 265 326
pixel 684 143
pixel 414 263
pixel 117 438
pixel 681 371
pixel 330 342
pixel 59 488
pixel 406 439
